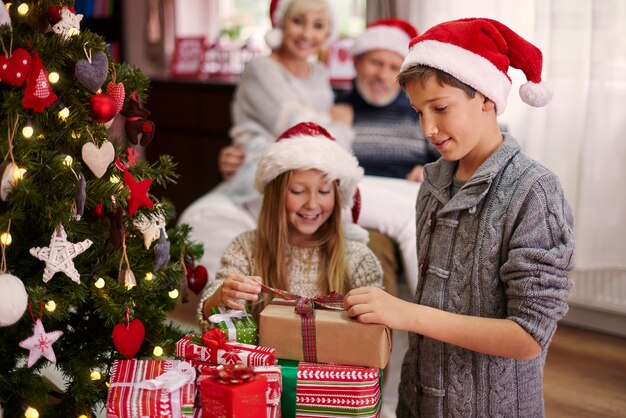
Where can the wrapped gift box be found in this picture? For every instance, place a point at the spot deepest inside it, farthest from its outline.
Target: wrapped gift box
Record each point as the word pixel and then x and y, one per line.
pixel 225 393
pixel 238 325
pixel 151 388
pixel 329 390
pixel 338 338
pixel 191 347
pixel 272 374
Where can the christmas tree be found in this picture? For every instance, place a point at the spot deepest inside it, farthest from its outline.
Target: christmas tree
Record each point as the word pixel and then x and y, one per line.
pixel 88 269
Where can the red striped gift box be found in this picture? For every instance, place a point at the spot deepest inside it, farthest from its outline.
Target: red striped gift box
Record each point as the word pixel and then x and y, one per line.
pixel 224 352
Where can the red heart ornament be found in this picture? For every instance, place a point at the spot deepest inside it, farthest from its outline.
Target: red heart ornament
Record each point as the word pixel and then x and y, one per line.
pixel 117 92
pixel 196 278
pixel 103 107
pixel 128 339
pixel 13 70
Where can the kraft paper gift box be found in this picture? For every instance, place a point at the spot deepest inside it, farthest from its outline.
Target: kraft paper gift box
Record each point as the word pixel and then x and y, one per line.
pixel 232 391
pixel 221 351
pixel 238 325
pixel 151 388
pixel 335 337
pixel 329 390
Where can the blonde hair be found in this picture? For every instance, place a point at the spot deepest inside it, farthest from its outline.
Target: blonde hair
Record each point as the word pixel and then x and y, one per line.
pixel 272 241
pixel 302 6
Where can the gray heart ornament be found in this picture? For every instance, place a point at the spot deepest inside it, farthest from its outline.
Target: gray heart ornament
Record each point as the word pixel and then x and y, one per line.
pixel 93 74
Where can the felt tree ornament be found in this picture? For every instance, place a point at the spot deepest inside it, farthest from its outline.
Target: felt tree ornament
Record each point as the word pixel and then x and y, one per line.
pixel 116 231
pixel 197 277
pixel 128 336
pixel 9 173
pixel 162 251
pixel 68 25
pixel 150 226
pixel 81 196
pixel 14 68
pixel 98 158
pixel 139 129
pixel 102 107
pixel 38 94
pixel 54 12
pixel 118 93
pixel 15 298
pixel 60 254
pixel 40 343
pixel 125 275
pixel 92 72
pixel 138 191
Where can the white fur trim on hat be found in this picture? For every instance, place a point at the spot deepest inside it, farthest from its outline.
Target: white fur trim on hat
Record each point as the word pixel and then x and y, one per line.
pixel 382 37
pixel 304 152
pixel 274 37
pixel 465 66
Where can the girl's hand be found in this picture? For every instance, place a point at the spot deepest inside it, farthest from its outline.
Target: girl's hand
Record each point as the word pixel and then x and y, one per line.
pixel 236 287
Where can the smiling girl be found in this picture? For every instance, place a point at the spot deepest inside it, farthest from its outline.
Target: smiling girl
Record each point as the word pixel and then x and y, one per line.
pixel 307 180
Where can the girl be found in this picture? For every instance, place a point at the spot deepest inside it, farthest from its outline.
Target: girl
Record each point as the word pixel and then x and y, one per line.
pixel 273 93
pixel 299 246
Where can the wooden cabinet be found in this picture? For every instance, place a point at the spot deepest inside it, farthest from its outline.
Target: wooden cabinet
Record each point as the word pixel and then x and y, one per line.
pixel 192 121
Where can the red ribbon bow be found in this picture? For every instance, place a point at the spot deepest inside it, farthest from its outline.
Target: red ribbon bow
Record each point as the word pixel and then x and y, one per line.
pixel 215 338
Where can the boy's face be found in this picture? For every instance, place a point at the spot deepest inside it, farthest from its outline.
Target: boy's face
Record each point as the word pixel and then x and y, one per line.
pixel 451 121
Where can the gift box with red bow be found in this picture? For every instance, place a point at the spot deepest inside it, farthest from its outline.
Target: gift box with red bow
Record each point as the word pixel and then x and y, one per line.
pixel 213 347
pixel 232 391
pixel 238 325
pixel 151 388
pixel 320 331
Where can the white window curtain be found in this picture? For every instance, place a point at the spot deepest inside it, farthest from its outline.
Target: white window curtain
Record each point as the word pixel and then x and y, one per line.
pixel 580 134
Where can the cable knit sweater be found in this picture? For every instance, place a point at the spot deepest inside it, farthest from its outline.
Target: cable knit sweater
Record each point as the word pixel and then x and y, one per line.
pixel 362 266
pixel 501 247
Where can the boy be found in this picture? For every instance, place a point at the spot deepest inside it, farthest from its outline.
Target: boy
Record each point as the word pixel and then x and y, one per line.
pixel 494 235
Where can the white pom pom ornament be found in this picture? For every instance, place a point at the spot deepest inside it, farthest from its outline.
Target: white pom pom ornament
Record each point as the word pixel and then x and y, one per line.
pixel 14 299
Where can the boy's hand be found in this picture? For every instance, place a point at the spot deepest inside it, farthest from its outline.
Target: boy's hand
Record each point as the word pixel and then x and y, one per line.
pixel 372 305
pixel 236 287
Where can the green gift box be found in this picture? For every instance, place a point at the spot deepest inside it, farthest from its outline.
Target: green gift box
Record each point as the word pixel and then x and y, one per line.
pixel 330 390
pixel 238 325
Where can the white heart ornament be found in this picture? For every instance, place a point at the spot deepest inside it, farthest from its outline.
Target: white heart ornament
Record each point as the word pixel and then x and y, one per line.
pixel 98 159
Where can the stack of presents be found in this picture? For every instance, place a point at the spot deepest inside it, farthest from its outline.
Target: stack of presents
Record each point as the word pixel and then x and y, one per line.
pixel 304 358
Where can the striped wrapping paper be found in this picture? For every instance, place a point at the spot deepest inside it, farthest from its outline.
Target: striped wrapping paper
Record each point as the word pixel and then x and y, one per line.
pixel 191 348
pixel 330 390
pixel 127 400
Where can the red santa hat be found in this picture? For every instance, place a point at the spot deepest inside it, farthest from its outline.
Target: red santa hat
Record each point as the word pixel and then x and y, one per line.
pixel 479 52
pixel 278 8
pixel 389 34
pixel 308 146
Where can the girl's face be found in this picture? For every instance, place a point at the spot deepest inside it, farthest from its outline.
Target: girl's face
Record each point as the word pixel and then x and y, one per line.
pixel 452 122
pixel 309 202
pixel 304 34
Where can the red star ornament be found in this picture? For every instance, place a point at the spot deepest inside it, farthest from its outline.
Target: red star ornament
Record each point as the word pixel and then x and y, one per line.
pixel 40 344
pixel 138 193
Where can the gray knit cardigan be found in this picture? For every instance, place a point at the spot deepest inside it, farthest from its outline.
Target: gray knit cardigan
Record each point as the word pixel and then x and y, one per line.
pixel 502 247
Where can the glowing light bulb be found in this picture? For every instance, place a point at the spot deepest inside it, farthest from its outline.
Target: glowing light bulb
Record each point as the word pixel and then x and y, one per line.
pixel 53 77
pixel 31 412
pixel 95 375
pixel 51 306
pixel 83 416
pixel 173 293
pixel 64 113
pixel 114 179
pixel 158 351
pixel 99 283
pixel 149 277
pixel 75 135
pixel 23 10
pixel 28 131
pixel 72 32
pixel 19 174
pixel 6 239
pixel 68 161
pixel 130 285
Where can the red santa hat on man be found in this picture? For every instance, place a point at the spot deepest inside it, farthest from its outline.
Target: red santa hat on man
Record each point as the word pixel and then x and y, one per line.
pixel 308 146
pixel 278 8
pixel 479 52
pixel 389 34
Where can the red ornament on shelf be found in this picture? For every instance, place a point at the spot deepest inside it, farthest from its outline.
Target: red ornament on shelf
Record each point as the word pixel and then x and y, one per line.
pixel 196 278
pixel 103 107
pixel 128 337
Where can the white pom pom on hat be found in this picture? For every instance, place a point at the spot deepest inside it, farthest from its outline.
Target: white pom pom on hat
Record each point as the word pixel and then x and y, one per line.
pixel 479 52
pixel 278 8
pixel 308 146
pixel 388 34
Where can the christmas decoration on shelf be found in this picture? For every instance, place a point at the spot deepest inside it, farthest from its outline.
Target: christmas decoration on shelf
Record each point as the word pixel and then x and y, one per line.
pixel 66 209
